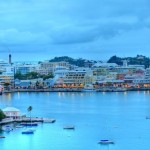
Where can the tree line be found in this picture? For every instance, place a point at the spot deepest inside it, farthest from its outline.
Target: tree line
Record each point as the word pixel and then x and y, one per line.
pixel 32 75
pixel 138 60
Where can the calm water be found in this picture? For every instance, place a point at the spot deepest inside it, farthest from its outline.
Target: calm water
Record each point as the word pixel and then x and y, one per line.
pixel 117 116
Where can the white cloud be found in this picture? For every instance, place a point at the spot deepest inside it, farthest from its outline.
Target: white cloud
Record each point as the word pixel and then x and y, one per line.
pixel 73 26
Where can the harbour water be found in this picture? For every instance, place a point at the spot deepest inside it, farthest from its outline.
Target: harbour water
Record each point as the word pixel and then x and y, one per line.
pixel 117 116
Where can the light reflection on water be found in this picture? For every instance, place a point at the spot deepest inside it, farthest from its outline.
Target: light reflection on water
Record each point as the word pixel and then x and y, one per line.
pixel 116 115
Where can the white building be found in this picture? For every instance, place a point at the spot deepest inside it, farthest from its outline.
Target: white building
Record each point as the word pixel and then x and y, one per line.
pixel 11 112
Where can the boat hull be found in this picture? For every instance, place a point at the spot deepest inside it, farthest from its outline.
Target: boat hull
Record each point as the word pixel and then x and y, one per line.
pixel 105 142
pixel 29 124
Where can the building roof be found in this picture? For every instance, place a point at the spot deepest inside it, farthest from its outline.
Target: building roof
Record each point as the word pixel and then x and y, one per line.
pixel 105 65
pixel 10 109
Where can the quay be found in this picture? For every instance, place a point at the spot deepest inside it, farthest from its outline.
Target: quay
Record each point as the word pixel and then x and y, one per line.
pixel 25 120
pixel 42 90
pixel 74 90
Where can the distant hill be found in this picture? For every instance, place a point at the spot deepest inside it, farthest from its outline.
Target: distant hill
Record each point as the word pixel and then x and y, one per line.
pixel 138 60
pixel 78 62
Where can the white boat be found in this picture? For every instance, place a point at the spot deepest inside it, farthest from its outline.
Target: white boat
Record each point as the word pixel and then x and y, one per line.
pixel 49 120
pixel 29 124
pixel 106 142
pixel 7 128
pixel 119 89
pixel 19 126
pixel 69 127
pixel 88 90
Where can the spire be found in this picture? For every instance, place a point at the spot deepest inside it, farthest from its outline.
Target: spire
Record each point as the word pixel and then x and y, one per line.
pixel 10 59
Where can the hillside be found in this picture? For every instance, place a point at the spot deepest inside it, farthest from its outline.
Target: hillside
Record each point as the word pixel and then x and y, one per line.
pixel 78 62
pixel 138 60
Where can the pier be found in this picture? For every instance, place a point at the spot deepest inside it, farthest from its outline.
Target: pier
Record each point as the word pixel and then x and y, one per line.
pixel 26 119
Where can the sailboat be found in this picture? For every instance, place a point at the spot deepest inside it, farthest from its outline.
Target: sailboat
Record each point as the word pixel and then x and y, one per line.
pixel 29 130
pixel 106 141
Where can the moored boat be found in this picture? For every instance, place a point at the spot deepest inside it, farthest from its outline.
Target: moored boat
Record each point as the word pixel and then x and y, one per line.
pixel 7 128
pixel 70 127
pixel 49 120
pixel 88 90
pixel 19 126
pixel 29 124
pixel 28 131
pixel 106 142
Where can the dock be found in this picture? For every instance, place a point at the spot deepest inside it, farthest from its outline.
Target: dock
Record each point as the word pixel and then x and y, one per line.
pixel 26 119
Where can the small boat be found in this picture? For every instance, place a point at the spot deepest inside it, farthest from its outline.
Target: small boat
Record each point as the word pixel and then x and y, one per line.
pixel 148 117
pixel 49 120
pixel 106 142
pixel 19 126
pixel 69 127
pixel 28 131
pixel 1 137
pixel 7 128
pixel 29 124
pixel 88 90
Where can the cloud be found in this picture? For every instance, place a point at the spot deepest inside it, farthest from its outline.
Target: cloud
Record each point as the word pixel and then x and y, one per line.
pixel 73 26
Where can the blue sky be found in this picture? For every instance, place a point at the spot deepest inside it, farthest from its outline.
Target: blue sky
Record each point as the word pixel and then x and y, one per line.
pixel 93 29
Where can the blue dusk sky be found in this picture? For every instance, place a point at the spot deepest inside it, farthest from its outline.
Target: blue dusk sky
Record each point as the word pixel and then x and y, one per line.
pixel 92 29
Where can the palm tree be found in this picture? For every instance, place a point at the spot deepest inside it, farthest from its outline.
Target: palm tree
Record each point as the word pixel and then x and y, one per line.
pixel 29 110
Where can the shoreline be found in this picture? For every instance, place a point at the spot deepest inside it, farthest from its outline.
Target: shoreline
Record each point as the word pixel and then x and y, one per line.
pixel 71 90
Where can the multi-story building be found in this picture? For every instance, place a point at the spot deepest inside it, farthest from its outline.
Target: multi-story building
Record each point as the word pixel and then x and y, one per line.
pixel 6 73
pixel 53 65
pixel 24 69
pixel 75 78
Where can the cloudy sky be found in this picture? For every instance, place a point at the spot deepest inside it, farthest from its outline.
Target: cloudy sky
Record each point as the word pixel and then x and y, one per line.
pixel 93 29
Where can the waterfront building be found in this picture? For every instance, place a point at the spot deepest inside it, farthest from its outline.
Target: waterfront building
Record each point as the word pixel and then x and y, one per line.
pixel 147 73
pixel 60 71
pixel 6 73
pixel 112 76
pixel 104 65
pixel 11 112
pixel 6 78
pixel 24 69
pixel 47 67
pixel 49 82
pixel 25 83
pixel 75 78
pixel 1 88
pixel 103 69
pixel 89 63
pixel 52 65
pixel 121 76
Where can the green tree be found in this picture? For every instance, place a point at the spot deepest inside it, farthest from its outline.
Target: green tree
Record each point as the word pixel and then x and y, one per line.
pixel 50 75
pixel 29 110
pixel 32 75
pixel 115 59
pixel 2 115
pixel 6 85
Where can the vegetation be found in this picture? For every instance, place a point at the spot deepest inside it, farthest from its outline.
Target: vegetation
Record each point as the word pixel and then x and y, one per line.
pixel 2 115
pixel 138 60
pixel 32 75
pixel 78 62
pixel 50 75
pixel 115 59
pixel 29 110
